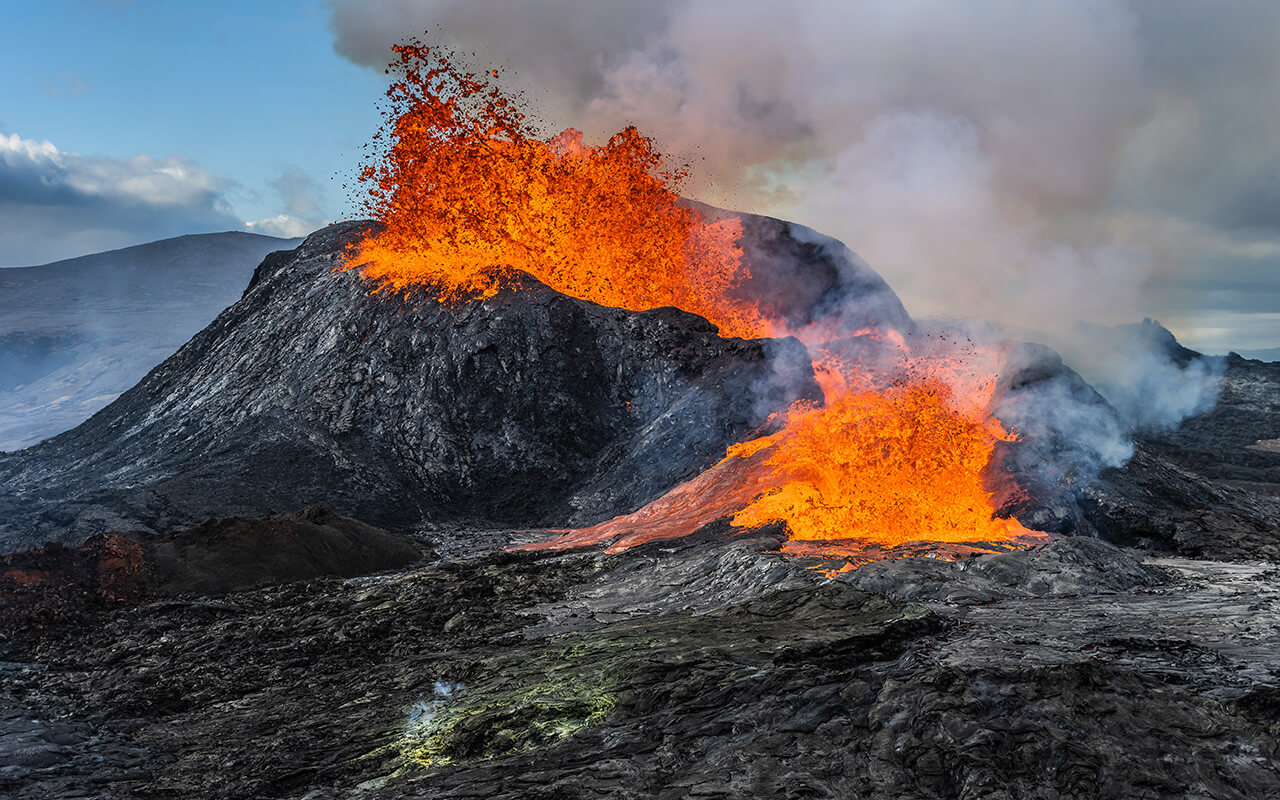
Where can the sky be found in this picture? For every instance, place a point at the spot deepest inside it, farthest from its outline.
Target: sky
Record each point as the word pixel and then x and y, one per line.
pixel 123 122
pixel 1037 164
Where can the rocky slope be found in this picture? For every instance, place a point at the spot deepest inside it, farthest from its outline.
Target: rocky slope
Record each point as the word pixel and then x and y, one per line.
pixel 1204 489
pixel 1209 488
pixel 309 390
pixel 75 334
pixel 1239 440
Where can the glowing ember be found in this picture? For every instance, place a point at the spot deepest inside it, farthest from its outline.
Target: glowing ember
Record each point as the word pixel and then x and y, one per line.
pixel 466 187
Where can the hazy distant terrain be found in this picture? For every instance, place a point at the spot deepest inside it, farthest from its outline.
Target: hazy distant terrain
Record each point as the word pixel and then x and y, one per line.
pixel 1269 354
pixel 74 334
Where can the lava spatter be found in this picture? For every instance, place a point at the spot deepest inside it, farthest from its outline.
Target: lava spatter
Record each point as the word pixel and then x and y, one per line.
pixel 892 459
pixel 893 465
pixel 465 187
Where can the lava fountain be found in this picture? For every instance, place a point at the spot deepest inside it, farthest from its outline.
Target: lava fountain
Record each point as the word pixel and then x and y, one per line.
pixel 466 189
pixel 894 462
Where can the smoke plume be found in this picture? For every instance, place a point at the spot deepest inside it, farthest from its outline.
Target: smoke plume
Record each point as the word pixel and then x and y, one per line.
pixel 1036 165
pixel 1153 382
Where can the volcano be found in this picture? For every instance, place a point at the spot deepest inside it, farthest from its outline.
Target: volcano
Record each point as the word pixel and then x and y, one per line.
pixel 624 496
pixel 308 390
pixel 674 667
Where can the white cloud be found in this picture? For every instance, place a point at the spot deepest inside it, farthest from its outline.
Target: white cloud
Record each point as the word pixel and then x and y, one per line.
pixel 58 204
pixel 281 225
pixel 16 151
pixel 170 181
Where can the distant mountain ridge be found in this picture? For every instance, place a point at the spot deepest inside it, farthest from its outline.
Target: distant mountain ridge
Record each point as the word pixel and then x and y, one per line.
pixel 76 333
pixel 1267 354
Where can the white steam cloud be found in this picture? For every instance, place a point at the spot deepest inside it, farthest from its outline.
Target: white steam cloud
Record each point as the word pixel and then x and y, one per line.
pixel 1151 381
pixel 945 142
pixel 1032 164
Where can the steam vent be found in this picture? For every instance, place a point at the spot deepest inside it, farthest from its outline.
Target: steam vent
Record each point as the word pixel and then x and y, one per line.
pixel 545 482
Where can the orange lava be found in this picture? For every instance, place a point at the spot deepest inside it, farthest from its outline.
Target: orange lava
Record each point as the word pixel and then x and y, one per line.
pixel 716 493
pixel 466 188
pixel 892 465
pixel 873 473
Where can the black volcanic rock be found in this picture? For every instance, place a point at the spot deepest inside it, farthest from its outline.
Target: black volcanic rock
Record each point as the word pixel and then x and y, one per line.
pixel 449 681
pixel 225 555
pixel 56 585
pixel 1239 439
pixel 1211 486
pixel 1155 503
pixel 1078 469
pixel 1075 566
pixel 529 407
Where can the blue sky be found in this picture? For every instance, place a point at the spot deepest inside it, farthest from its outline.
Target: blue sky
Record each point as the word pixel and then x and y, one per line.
pixel 1031 164
pixel 249 92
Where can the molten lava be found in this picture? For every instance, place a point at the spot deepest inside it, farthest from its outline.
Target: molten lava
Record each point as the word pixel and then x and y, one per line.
pixel 894 465
pixel 465 188
pixel 896 456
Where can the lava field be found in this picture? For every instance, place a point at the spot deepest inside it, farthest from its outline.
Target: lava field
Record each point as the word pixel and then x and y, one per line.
pixel 272 654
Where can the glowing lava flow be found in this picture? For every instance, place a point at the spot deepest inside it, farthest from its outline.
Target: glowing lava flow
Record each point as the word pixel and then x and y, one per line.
pixel 464 189
pixel 893 462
